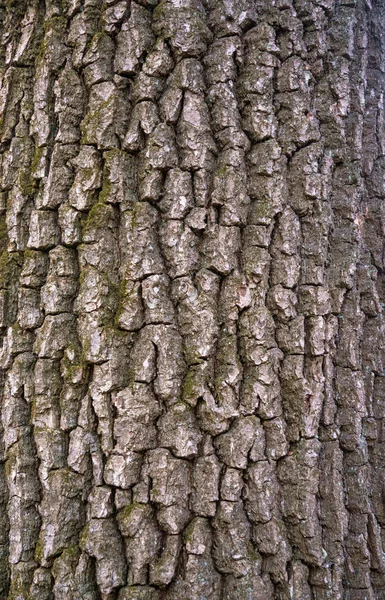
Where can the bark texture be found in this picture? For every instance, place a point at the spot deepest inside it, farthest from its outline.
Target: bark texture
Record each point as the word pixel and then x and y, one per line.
pixel 192 300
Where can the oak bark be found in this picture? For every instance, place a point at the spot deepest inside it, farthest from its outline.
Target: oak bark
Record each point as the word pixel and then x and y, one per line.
pixel 192 299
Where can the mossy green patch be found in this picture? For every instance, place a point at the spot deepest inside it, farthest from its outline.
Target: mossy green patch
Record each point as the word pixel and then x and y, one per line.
pixel 20 591
pixel 16 7
pixel 189 385
pixel 26 183
pixel 105 191
pixel 98 217
pixel 71 553
pixel 10 267
pixel 84 537
pixel 39 555
pixel 91 121
pixel 38 155
pixel 125 513
pixel 3 234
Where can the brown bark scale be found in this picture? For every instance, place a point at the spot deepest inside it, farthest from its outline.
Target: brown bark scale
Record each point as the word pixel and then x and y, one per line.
pixel 192 300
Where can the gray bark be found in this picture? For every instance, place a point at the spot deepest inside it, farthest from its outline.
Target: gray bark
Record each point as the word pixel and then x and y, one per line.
pixel 192 299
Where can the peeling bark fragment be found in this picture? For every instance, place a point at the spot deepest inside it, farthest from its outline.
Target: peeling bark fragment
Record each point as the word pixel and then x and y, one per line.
pixel 82 194
pixel 205 485
pixel 69 105
pixel 139 593
pixel 195 140
pixel 59 177
pixel 122 471
pixel 251 587
pixel 61 521
pixel 173 519
pixel 97 60
pixel 134 428
pixel 282 303
pixel 101 539
pixel 105 121
pixel 314 300
pixel 233 446
pixel 134 39
pixel 163 571
pixel 180 248
pixel 54 335
pixel 43 231
pixel 189 40
pixel 261 492
pixel 221 248
pixel 30 315
pixel 231 550
pixel 179 431
pixel 143 540
pixel 142 254
pixel 198 577
pixel 178 194
pixel 170 479
pixel 118 179
pixel 196 313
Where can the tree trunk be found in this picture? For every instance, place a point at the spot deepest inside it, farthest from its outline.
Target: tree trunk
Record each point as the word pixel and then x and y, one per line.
pixel 192 300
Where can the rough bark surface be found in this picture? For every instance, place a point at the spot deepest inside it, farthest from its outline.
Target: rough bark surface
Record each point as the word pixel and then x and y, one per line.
pixel 192 299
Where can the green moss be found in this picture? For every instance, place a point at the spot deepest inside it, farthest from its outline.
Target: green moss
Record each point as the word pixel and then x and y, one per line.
pixel 54 27
pixel 98 216
pixel 8 468
pixel 16 8
pixel 192 356
pixel 125 298
pixel 86 351
pixel 33 409
pixel 253 553
pixel 70 369
pixel 189 385
pixel 98 36
pixel 139 215
pixel 55 22
pixel 30 254
pixel 41 53
pixel 189 532
pixel 26 183
pixel 71 553
pixel 221 172
pixel 113 294
pixel 3 234
pixel 39 554
pixel 91 121
pixel 84 537
pixel 67 480
pixel 115 336
pixel 10 267
pixel 86 173
pixel 112 157
pixel 166 24
pixel 76 349
pixel 135 215
pixel 126 512
pixel 160 12
pixel 20 591
pixel 38 155
pixel 105 192
pixel 227 350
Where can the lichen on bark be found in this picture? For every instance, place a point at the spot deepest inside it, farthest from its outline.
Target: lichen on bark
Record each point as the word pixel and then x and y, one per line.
pixel 192 299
